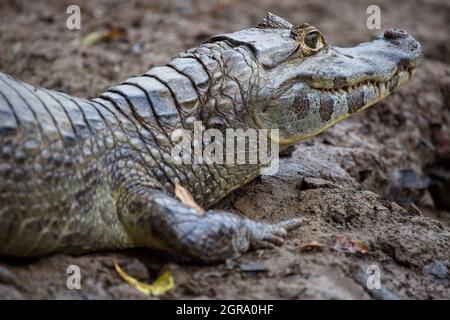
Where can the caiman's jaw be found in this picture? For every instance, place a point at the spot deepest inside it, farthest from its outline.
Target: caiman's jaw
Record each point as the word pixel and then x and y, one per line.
pixel 349 80
pixel 363 94
pixel 333 101
pixel 302 86
pixel 369 72
pixel 312 86
pixel 381 87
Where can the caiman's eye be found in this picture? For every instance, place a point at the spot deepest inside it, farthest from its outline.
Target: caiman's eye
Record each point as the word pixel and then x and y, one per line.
pixel 312 39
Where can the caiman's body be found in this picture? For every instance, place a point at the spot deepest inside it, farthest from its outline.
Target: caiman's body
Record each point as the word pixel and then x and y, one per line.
pixel 78 175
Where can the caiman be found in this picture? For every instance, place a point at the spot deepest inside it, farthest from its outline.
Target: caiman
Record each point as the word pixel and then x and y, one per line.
pixel 79 175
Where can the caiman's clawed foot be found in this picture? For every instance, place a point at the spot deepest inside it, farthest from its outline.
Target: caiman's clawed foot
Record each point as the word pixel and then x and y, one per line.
pixel 162 222
pixel 265 235
pixel 216 235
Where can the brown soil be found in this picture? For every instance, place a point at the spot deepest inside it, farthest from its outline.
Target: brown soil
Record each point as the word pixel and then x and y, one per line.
pixel 365 178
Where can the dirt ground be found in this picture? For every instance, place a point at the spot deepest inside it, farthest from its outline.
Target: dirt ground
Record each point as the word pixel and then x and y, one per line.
pixel 382 177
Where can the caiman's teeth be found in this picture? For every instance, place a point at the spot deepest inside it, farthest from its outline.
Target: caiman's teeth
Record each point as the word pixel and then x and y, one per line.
pixel 380 87
pixel 383 91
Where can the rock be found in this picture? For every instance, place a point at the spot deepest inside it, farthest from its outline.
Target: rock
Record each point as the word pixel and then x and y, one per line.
pixel 137 269
pixel 287 152
pixel 407 185
pixel 255 266
pixel 382 293
pixel 314 183
pixel 437 269
pixel 413 210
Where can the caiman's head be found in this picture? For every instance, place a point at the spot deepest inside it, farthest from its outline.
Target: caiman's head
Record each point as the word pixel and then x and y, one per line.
pixel 309 86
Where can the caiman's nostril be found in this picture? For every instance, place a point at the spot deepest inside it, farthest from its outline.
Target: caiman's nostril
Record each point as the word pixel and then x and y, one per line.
pixel 395 34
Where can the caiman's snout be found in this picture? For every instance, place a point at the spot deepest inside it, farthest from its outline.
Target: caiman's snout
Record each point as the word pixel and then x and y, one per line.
pixel 395 33
pixel 334 83
pixel 387 61
pixel 411 50
pixel 394 54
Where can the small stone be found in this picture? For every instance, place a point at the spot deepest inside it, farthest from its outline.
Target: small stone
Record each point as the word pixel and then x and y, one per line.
pixel 136 48
pixel 413 210
pixel 287 152
pixel 255 266
pixel 437 269
pixel 137 269
pixel 315 183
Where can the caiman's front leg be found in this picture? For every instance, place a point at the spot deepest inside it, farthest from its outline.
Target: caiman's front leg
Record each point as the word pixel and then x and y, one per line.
pixel 156 220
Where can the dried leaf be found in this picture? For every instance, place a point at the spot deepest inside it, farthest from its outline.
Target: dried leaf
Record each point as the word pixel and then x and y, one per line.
pixel 186 197
pixel 312 245
pixel 102 36
pixel 352 246
pixel 160 286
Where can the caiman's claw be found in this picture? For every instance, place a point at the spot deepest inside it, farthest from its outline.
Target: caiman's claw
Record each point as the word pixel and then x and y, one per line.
pixel 270 235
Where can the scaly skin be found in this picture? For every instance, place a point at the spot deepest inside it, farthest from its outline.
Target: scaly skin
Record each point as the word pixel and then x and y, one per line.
pixel 79 175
